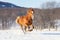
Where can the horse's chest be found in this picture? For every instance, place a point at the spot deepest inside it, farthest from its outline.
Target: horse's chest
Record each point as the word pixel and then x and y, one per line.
pixel 29 22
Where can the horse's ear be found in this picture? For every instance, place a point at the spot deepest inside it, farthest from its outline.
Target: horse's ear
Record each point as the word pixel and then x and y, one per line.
pixel 30 9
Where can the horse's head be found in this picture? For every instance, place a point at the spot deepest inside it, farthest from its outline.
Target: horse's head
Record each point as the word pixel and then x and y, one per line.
pixel 30 12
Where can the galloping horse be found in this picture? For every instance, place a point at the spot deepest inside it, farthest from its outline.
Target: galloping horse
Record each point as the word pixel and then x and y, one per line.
pixel 26 21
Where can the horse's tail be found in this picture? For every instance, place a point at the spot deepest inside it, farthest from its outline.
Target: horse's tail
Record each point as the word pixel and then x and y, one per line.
pixel 17 19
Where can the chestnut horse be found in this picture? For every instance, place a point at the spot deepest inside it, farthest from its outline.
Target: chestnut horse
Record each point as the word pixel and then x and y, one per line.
pixel 26 21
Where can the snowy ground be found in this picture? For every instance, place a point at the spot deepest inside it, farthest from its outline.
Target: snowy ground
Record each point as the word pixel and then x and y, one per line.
pixel 34 35
pixel 16 34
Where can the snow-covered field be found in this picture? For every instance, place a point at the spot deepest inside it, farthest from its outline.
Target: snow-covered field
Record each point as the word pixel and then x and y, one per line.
pixel 15 33
pixel 34 35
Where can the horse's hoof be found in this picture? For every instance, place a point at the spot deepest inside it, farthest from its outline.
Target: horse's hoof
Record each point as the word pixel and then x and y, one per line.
pixel 33 27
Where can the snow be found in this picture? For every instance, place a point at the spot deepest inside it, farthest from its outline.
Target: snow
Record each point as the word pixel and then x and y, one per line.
pixel 17 34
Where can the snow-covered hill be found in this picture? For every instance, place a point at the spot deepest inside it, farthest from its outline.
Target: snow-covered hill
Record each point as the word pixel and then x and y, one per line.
pixel 7 5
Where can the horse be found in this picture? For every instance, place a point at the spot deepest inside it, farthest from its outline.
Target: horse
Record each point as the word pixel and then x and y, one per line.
pixel 26 21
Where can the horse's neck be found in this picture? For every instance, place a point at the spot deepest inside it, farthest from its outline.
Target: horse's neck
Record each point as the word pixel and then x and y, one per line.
pixel 29 15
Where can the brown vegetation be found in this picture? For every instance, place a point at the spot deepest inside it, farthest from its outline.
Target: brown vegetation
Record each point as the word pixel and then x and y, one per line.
pixel 42 17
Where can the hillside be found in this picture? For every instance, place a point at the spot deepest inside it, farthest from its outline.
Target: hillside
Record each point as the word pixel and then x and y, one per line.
pixel 7 5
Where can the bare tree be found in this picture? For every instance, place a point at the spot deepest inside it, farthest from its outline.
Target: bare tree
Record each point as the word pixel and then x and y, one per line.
pixel 48 7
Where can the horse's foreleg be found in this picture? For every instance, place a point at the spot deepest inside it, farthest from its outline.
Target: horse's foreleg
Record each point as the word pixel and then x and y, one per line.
pixel 30 28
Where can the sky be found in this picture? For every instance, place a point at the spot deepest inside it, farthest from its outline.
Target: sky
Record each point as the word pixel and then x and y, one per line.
pixel 29 3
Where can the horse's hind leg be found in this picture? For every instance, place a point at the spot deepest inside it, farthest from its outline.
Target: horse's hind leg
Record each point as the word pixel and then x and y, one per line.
pixel 23 29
